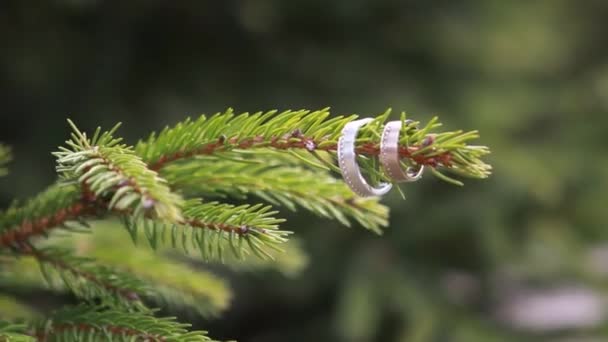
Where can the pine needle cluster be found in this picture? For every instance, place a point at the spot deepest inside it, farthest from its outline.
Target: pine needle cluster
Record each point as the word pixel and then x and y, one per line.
pixel 175 191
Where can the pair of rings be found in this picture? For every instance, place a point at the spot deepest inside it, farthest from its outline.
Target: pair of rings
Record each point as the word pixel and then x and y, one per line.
pixel 389 158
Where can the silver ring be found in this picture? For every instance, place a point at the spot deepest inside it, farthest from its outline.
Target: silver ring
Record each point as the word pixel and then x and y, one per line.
pixel 389 155
pixel 347 158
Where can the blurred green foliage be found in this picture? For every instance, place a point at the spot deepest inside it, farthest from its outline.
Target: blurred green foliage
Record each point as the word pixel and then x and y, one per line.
pixel 532 77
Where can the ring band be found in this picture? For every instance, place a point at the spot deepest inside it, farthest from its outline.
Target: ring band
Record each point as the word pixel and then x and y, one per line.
pixel 347 158
pixel 389 155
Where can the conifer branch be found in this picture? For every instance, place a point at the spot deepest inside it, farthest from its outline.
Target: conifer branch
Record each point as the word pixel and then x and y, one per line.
pixel 169 283
pixel 112 174
pixel 89 281
pixel 283 158
pixel 310 131
pixel 213 227
pixel 292 187
pixel 56 206
pixel 94 323
pixel 173 284
pixel 114 171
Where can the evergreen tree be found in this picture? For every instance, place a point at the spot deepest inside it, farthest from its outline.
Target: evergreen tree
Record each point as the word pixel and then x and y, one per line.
pixel 178 192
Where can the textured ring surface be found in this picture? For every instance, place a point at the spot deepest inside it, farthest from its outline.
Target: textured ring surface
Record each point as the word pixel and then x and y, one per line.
pixel 347 158
pixel 389 155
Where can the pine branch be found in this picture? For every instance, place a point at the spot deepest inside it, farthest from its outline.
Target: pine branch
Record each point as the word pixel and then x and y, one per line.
pixel 142 189
pixel 310 131
pixel 5 158
pixel 89 281
pixel 56 206
pixel 211 228
pixel 315 191
pixel 163 282
pixel 97 323
pixel 283 158
pixel 204 226
pixel 174 284
pixel 114 171
pixel 93 161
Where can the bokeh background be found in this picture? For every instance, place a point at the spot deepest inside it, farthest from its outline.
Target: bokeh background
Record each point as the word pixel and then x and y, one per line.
pixel 520 256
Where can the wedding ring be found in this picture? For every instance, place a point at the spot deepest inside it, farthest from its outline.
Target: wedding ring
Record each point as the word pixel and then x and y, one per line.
pixel 389 155
pixel 347 158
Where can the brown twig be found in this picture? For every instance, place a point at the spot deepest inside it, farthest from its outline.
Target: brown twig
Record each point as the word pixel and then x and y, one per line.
pixel 299 142
pixel 42 257
pixel 240 230
pixel 28 228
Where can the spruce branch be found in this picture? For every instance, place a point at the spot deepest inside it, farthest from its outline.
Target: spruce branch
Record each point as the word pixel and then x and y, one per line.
pixel 312 131
pixel 169 283
pixel 213 227
pixel 96 163
pixel 113 171
pixel 283 158
pixel 90 281
pixel 57 206
pixel 5 158
pixel 293 187
pixel 95 323
pixel 174 284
